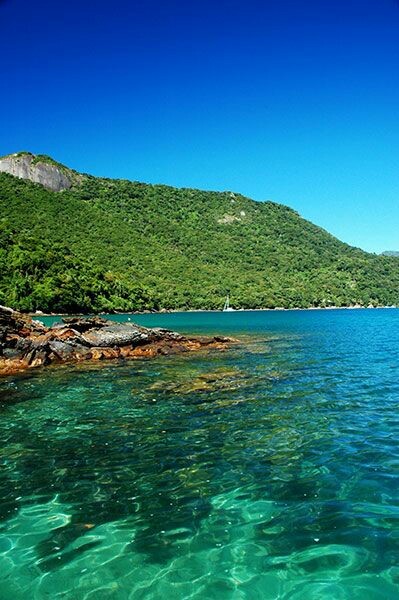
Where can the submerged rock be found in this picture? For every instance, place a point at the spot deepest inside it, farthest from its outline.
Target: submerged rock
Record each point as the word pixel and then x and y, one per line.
pixel 215 381
pixel 25 343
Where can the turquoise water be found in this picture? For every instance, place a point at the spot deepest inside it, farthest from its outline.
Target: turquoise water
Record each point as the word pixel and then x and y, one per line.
pixel 268 471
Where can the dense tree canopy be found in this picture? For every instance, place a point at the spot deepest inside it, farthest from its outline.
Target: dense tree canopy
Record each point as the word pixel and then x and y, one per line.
pixel 118 245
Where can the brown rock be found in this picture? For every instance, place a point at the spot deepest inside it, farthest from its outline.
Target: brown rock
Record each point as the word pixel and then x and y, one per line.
pixel 39 359
pixel 25 343
pixel 104 353
pixel 83 324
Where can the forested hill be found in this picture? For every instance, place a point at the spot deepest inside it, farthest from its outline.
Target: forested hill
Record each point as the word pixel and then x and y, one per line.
pixel 119 245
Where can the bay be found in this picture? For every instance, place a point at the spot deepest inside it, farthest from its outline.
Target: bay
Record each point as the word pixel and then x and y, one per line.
pixel 269 470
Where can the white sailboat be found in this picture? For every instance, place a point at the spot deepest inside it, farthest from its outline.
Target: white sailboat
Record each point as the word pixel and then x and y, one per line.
pixel 227 307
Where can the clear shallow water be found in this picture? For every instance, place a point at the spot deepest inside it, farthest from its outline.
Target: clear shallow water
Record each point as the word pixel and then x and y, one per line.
pixel 269 471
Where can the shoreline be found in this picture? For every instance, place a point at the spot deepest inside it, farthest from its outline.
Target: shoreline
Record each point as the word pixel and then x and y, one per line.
pixel 39 314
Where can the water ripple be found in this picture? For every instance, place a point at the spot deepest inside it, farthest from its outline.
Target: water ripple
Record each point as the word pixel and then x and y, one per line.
pixel 269 471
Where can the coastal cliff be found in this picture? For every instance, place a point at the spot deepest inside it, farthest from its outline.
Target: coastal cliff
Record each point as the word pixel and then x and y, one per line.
pixel 26 343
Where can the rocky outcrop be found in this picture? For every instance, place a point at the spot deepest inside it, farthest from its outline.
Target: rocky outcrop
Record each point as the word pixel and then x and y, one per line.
pixel 25 343
pixel 28 166
pixel 115 335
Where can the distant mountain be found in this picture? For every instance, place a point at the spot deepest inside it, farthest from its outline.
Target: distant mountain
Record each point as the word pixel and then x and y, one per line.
pixel 99 244
pixel 390 253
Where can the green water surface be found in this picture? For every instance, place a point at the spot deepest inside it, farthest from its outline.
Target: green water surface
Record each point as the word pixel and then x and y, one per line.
pixel 269 471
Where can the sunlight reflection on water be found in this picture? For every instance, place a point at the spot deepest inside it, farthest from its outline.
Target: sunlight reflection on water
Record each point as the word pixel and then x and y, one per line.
pixel 268 471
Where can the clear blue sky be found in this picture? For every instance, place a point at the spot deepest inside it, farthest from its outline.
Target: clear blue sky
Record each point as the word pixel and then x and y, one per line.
pixel 291 100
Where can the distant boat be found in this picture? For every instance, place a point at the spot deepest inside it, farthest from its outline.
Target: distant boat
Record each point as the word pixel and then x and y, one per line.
pixel 227 307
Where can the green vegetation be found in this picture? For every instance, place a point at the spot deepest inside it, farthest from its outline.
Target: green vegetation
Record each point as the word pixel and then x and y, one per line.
pixel 43 158
pixel 120 245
